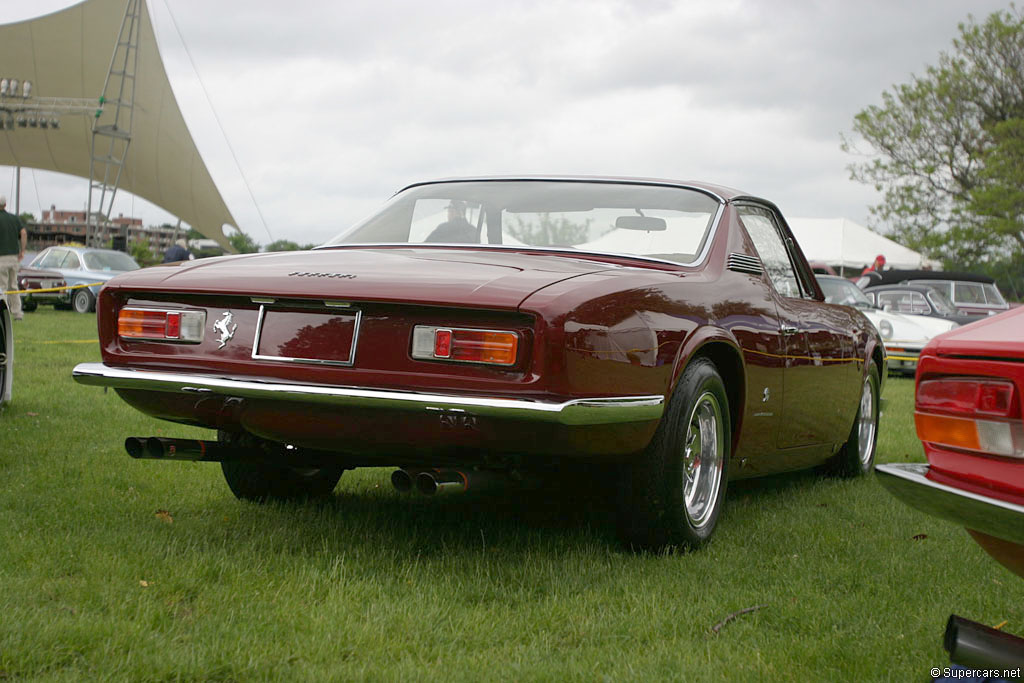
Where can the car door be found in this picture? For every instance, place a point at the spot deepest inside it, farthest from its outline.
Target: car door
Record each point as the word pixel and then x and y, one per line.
pixel 818 357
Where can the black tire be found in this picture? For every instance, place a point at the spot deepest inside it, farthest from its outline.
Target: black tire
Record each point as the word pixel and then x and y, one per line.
pixel 6 351
pixel 83 301
pixel 673 494
pixel 857 456
pixel 261 482
pixel 28 306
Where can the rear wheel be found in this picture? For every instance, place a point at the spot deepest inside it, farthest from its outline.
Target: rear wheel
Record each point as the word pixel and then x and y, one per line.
pixel 674 493
pixel 27 305
pixel 83 301
pixel 262 481
pixel 857 455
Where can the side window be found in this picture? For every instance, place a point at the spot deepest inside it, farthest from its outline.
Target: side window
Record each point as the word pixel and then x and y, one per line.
pixel 890 299
pixel 970 293
pixel 51 259
pixel 918 303
pixel 768 241
pixel 71 261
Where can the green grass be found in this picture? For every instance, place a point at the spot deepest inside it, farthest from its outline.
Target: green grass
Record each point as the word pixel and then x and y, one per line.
pixel 97 582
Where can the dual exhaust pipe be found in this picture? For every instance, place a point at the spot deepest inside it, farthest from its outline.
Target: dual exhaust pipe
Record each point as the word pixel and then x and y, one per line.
pixel 447 481
pixel 159 448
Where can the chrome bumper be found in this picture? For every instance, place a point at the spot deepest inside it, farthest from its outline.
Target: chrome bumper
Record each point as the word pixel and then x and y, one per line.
pixel 578 412
pixel 991 516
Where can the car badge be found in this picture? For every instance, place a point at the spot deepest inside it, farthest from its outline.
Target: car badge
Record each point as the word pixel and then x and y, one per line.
pixel 226 328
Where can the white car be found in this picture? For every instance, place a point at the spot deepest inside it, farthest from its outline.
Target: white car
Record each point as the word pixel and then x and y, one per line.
pixel 903 334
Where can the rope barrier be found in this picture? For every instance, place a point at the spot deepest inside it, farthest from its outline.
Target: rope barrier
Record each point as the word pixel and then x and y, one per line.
pixel 52 289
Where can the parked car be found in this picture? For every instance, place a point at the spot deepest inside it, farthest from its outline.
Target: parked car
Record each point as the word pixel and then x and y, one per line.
pixel 918 300
pixel 477 332
pixel 904 335
pixel 970 293
pixel 84 266
pixel 46 281
pixel 6 353
pixel 968 415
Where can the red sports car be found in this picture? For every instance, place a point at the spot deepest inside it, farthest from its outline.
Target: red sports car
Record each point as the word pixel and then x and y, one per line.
pixel 968 415
pixel 498 329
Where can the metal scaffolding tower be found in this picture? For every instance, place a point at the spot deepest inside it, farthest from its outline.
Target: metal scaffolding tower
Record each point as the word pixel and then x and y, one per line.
pixel 112 127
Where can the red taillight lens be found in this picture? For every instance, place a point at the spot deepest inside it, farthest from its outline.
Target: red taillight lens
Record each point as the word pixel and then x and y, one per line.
pixel 968 396
pixel 159 325
pixel 494 347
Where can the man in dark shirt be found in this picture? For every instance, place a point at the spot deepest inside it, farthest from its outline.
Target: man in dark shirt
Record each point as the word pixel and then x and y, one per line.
pixel 12 249
pixel 177 252
pixel 456 228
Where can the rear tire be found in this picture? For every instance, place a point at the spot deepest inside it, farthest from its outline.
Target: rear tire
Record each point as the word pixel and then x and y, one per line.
pixel 83 301
pixel 673 494
pixel 857 456
pixel 261 481
pixel 28 306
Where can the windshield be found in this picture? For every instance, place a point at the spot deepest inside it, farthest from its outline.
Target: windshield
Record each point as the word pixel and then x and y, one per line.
pixel 840 291
pixel 668 223
pixel 941 302
pixel 109 260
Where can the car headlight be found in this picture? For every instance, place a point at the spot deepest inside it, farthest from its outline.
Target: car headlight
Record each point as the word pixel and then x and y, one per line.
pixel 885 329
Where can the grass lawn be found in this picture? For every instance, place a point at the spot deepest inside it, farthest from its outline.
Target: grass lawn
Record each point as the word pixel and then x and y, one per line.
pixel 115 569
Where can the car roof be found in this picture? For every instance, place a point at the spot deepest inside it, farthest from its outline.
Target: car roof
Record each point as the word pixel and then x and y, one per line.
pixel 887 277
pixel 721 192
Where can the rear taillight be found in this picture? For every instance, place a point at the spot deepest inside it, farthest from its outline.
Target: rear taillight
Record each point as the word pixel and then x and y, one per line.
pixel 160 325
pixel 494 347
pixel 980 415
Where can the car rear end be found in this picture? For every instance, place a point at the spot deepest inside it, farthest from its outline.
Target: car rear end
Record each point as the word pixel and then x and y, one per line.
pixel 969 419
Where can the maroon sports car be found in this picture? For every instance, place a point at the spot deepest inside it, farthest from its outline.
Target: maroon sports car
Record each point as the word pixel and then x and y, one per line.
pixel 496 329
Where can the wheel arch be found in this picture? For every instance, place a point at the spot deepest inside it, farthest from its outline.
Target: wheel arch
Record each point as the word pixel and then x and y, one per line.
pixel 724 352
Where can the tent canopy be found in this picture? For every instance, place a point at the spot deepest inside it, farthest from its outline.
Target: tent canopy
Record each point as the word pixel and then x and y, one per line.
pixel 68 54
pixel 841 242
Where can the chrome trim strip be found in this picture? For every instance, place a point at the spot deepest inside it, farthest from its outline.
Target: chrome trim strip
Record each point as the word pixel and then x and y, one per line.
pixel 309 361
pixel 577 412
pixel 909 483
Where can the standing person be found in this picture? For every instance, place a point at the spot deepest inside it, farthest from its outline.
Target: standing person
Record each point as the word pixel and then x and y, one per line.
pixel 12 249
pixel 875 267
pixel 178 252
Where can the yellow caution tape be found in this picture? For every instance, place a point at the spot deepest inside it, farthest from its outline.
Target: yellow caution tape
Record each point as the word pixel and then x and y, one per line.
pixel 52 289
pixel 69 341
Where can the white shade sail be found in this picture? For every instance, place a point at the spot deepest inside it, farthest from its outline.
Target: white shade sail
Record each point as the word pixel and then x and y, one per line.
pixel 67 54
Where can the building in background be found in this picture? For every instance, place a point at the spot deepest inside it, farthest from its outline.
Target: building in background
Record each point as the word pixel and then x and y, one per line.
pixel 64 227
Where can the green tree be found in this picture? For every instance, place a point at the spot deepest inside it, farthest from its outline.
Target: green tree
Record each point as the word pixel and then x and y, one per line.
pixel 243 243
pixel 943 142
pixel 284 245
pixel 549 232
pixel 140 251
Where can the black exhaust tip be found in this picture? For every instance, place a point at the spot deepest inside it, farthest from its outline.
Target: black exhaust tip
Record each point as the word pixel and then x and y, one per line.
pixel 135 446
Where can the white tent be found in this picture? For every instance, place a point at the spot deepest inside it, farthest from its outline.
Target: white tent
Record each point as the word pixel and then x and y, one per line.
pixel 841 242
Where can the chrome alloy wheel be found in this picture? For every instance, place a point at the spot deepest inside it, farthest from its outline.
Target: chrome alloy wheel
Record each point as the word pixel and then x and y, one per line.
pixel 703 459
pixel 866 424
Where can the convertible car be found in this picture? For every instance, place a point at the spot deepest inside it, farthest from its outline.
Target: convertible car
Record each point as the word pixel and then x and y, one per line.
pixel 968 415
pixel 495 330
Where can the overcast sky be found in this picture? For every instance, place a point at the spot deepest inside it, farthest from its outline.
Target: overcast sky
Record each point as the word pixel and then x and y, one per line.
pixel 332 106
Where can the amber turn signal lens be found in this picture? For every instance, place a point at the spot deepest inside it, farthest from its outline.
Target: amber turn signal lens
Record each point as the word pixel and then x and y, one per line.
pixel 957 432
pixel 493 347
pixel 161 325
